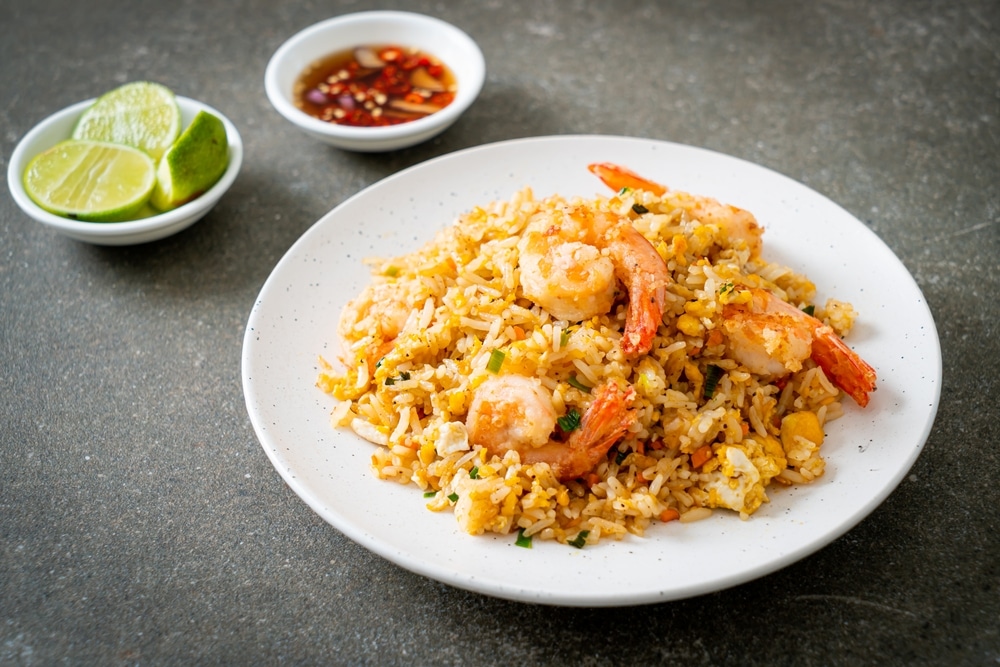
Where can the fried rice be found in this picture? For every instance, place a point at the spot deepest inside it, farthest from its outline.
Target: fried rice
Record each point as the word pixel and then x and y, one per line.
pixel 708 433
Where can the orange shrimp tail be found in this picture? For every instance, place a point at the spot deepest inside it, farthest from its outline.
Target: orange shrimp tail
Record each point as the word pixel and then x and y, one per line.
pixel 843 366
pixel 617 177
pixel 645 274
pixel 603 424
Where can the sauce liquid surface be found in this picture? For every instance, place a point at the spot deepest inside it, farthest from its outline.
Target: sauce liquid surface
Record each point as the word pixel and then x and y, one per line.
pixel 371 86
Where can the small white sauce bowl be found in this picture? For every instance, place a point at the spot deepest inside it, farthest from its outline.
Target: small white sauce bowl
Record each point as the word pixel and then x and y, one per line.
pixel 444 41
pixel 59 126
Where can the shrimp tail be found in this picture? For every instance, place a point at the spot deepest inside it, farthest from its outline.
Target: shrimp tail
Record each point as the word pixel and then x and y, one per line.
pixel 617 177
pixel 642 270
pixel 846 369
pixel 604 423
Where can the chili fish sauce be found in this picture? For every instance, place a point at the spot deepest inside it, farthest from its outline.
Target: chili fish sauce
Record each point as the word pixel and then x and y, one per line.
pixel 371 86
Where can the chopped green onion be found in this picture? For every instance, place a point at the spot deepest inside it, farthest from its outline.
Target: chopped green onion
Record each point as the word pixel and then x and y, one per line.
pixel 521 540
pixel 453 497
pixel 474 473
pixel 624 191
pixel 580 539
pixel 573 382
pixel 403 376
pixel 620 456
pixel 810 310
pixel 392 271
pixel 639 209
pixel 712 376
pixel 563 338
pixel 569 421
pixel 726 287
pixel 495 362
pixel 430 494
pixel 379 362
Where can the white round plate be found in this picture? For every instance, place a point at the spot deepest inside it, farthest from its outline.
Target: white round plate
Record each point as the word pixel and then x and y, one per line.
pixel 868 451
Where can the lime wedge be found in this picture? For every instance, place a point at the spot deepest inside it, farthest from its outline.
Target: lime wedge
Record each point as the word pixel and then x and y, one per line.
pixel 193 164
pixel 141 114
pixel 91 180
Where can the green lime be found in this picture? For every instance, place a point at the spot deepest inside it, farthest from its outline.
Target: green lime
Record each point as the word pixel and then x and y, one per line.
pixel 140 114
pixel 91 180
pixel 193 164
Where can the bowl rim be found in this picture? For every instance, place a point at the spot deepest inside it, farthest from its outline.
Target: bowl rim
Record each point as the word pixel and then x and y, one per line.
pixel 24 152
pixel 467 92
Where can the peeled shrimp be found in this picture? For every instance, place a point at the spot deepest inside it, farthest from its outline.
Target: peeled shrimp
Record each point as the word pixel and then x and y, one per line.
pixel 382 304
pixel 772 337
pixel 514 412
pixel 573 281
pixel 737 223
pixel 564 270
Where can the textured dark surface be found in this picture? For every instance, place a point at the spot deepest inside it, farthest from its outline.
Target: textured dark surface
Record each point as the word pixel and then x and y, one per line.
pixel 140 521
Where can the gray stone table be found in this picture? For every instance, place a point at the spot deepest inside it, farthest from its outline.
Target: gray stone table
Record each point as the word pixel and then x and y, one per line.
pixel 141 522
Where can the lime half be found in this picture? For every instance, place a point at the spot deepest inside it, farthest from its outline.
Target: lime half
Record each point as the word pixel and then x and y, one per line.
pixel 193 164
pixel 141 114
pixel 91 180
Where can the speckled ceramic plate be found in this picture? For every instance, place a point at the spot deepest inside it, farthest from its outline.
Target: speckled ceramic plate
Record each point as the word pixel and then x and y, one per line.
pixel 868 451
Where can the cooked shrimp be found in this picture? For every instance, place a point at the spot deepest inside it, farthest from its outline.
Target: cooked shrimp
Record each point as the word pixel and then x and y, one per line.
pixel 736 223
pixel 772 337
pixel 514 412
pixel 573 281
pixel 645 274
pixel 564 270
pixel 382 304
pixel 510 412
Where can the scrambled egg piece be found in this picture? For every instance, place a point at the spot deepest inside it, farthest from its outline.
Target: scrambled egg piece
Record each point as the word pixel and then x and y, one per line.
pixel 745 469
pixel 452 437
pixel 801 437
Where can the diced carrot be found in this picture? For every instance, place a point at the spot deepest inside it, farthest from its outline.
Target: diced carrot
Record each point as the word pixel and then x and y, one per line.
pixel 593 479
pixel 714 338
pixel 745 427
pixel 656 444
pixel 518 332
pixel 701 456
pixel 669 515
pixel 639 477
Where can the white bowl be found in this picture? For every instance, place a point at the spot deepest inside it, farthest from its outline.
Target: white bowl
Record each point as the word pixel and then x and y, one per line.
pixel 59 126
pixel 452 46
